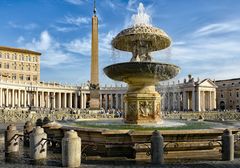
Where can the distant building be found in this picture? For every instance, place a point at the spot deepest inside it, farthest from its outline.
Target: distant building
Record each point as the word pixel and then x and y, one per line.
pixel 228 91
pixel 19 65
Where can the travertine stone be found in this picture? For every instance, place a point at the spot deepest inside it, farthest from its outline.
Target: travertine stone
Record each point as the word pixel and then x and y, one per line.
pixel 11 139
pixel 71 149
pixel 38 146
pixel 157 145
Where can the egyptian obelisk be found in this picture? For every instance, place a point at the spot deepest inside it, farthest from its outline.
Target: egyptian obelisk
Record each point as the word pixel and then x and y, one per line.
pixel 94 82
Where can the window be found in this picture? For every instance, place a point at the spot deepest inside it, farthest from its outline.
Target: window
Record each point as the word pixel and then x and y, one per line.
pixel 221 95
pixel 33 59
pixel 14 76
pixel 237 94
pixel 224 84
pixel 232 83
pixel 28 78
pixel 230 94
pixel 0 65
pixel 21 76
pixel 36 67
pixel 29 67
pixel 0 55
pixel 8 56
pixel 35 77
pixel 29 59
pixel 6 65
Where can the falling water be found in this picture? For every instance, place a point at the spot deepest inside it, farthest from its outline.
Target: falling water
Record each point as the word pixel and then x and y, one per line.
pixel 141 18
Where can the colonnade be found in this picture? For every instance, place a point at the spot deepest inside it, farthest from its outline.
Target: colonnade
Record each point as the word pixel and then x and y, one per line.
pixel 10 97
pixel 112 101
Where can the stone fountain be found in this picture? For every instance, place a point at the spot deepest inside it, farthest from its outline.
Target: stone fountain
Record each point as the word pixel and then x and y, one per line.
pixel 142 73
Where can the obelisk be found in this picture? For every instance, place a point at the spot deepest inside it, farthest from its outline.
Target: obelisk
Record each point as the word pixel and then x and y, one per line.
pixel 94 82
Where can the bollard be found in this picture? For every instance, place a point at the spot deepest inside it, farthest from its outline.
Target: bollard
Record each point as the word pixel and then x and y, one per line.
pixel 11 139
pixel 38 146
pixel 71 149
pixel 157 145
pixel 28 128
pixel 227 145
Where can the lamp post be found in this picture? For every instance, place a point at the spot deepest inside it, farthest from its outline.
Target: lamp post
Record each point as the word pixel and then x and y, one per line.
pixel 31 89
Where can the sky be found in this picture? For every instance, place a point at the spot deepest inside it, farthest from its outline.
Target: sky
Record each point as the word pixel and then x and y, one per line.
pixel 205 35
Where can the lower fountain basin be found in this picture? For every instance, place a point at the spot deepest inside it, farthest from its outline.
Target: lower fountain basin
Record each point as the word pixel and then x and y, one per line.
pixel 141 72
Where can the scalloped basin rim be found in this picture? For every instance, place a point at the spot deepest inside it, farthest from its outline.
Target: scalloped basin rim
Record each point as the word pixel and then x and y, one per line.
pixel 141 71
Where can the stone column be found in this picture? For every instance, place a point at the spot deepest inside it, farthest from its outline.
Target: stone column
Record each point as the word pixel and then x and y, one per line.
pixel 65 100
pixel 184 100
pixel 70 100
pixel 193 100
pixel 42 100
pixel 6 97
pixel 13 97
pixel 117 101
pixel 214 100
pixel 25 98
pixel 37 104
pixel 203 101
pixel 81 101
pixel 75 101
pixel 169 108
pixel 122 101
pixel 19 98
pixel 100 100
pixel 1 97
pixel 111 101
pixel 85 100
pixel 106 102
pixel 48 100
pixel 54 100
pixel 59 100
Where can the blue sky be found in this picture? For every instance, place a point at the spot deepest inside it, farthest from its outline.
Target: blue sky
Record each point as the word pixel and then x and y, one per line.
pixel 205 35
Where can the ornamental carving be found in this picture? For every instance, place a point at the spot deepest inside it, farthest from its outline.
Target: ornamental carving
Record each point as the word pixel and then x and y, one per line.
pixel 146 108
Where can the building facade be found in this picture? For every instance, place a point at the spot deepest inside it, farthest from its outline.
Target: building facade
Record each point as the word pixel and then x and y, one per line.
pixel 19 65
pixel 228 91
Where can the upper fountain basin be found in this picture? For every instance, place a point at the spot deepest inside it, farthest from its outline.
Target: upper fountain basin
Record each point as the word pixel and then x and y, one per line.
pixel 141 72
pixel 156 38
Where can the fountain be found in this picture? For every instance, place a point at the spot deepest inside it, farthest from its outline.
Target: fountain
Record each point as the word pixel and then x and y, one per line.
pixel 107 137
pixel 142 73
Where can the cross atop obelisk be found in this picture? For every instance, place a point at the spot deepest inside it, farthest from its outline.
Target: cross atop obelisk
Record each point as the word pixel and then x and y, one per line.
pixel 94 82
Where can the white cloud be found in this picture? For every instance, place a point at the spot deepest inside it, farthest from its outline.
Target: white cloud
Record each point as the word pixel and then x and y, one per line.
pixel 76 2
pixel 83 46
pixel 77 21
pixel 29 26
pixel 218 28
pixel 131 4
pixel 52 52
pixel 20 39
pixel 64 29
pixel 207 56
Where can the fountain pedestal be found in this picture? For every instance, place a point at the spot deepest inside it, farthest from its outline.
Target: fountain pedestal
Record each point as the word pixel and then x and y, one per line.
pixel 142 105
